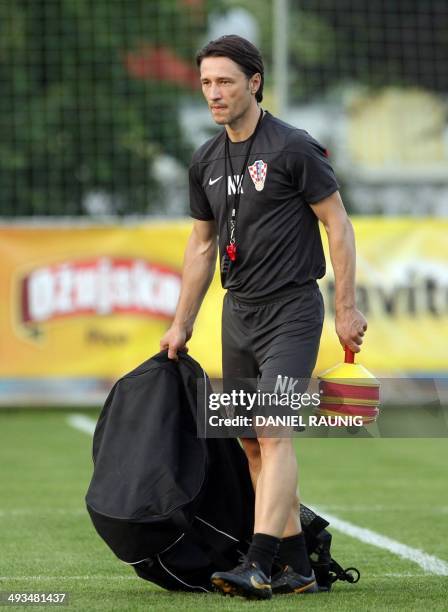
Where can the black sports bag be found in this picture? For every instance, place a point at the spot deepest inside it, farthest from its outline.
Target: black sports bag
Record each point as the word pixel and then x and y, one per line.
pixel 174 506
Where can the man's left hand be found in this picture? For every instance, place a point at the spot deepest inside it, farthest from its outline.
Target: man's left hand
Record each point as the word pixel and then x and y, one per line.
pixel 350 328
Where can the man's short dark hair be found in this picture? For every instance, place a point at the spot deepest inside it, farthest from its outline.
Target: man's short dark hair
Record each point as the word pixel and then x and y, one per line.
pixel 239 50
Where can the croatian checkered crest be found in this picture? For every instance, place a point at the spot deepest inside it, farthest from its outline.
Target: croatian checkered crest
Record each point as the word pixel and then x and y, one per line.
pixel 258 172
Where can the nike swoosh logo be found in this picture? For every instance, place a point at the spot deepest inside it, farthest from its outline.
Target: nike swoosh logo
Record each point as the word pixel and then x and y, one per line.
pixel 212 182
pixel 258 585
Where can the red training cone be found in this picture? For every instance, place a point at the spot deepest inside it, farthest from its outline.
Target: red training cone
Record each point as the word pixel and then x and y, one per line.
pixel 349 389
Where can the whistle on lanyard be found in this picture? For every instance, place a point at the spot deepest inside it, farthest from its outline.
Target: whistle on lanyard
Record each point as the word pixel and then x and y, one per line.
pixel 231 251
pixel 227 259
pixel 231 247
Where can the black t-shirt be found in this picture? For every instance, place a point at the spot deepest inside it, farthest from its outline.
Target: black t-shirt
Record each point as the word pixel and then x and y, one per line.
pixel 277 234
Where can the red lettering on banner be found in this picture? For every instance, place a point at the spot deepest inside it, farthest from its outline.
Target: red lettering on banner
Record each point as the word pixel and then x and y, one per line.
pixel 100 286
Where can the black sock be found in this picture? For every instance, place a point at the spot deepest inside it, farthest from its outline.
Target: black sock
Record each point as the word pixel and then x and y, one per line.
pixel 292 552
pixel 263 550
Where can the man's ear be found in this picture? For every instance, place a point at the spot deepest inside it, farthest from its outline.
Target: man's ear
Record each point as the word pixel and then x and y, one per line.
pixel 254 83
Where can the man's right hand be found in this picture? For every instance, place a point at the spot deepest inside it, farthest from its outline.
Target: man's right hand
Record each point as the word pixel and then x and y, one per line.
pixel 175 340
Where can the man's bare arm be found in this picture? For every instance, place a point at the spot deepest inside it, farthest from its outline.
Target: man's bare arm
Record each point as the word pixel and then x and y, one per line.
pixel 350 323
pixel 197 273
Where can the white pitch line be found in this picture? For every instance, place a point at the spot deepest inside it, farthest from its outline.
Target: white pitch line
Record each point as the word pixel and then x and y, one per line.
pixel 81 422
pixel 429 563
pixel 401 575
pixel 23 578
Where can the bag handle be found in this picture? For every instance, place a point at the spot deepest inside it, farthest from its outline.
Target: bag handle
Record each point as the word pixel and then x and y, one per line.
pixel 349 355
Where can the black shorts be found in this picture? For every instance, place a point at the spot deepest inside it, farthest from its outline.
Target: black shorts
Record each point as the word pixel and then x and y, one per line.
pixel 261 342
pixel 280 338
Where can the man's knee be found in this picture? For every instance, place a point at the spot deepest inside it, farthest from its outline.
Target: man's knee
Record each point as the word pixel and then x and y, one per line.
pixel 269 446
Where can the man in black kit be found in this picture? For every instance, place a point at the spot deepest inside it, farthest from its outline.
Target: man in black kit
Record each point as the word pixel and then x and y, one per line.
pixel 257 191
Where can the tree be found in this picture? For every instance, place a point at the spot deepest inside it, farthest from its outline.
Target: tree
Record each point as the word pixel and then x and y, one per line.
pixel 73 118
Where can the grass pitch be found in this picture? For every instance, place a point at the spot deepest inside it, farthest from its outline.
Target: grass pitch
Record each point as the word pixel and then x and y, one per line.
pixel 397 488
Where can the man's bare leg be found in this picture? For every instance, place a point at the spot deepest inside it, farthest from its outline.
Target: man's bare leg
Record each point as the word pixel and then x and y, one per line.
pixel 273 470
pixel 276 485
pixel 297 575
pixel 254 456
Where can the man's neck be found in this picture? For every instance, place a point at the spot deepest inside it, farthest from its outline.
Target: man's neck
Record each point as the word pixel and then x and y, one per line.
pixel 245 126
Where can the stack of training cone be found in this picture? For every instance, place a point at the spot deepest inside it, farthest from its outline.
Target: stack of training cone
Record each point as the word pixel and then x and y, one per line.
pixel 348 389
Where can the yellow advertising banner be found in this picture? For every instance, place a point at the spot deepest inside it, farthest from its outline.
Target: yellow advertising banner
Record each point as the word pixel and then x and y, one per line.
pixel 402 288
pixel 94 301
